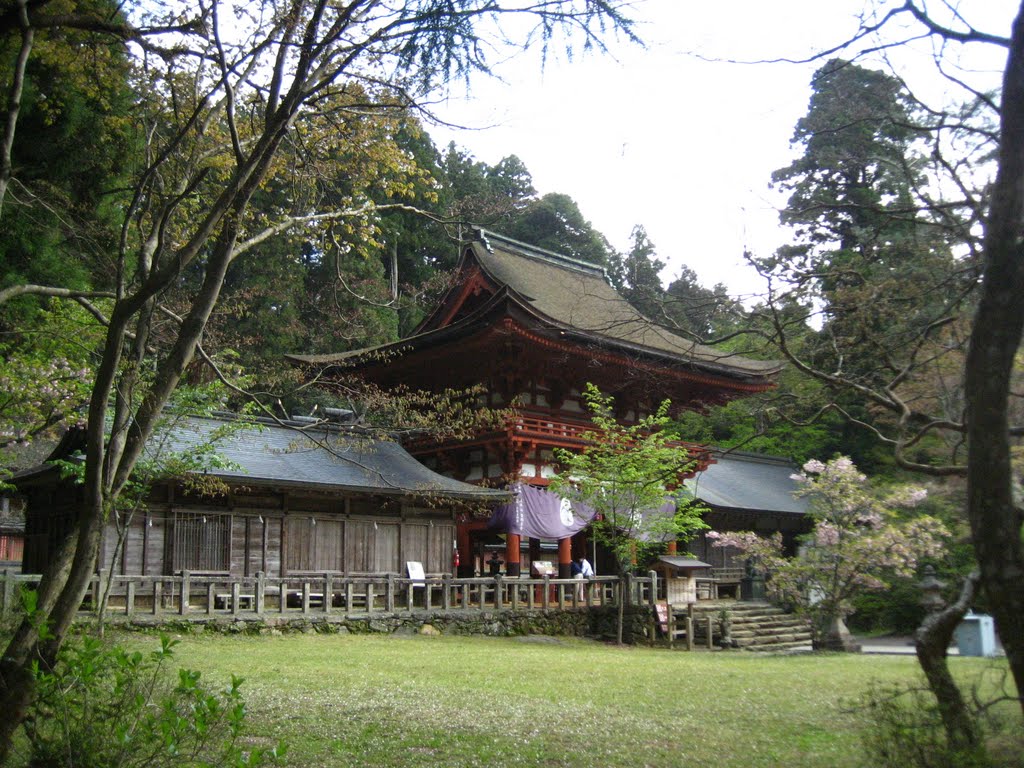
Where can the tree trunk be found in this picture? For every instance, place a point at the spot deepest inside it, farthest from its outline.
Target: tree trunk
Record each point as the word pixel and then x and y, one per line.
pixel 995 339
pixel 931 642
pixel 17 683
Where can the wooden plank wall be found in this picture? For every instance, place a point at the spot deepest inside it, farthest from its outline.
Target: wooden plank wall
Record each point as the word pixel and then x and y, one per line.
pixel 284 535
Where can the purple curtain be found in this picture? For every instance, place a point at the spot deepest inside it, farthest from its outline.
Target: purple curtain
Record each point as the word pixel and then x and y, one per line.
pixel 540 514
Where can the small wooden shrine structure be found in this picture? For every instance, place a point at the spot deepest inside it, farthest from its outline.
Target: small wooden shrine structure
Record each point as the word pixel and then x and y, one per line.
pixel 533 328
pixel 681 575
pixel 290 500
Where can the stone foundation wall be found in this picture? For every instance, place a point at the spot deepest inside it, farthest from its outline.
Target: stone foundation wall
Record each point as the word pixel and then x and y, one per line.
pixel 599 623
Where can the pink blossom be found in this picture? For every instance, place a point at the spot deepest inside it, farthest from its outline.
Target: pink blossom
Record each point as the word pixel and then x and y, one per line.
pixel 826 535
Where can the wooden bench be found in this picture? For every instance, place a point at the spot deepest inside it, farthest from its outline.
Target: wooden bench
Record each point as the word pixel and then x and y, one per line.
pixel 223 600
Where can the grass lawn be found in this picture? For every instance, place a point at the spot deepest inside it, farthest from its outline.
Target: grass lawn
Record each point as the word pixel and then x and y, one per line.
pixel 459 701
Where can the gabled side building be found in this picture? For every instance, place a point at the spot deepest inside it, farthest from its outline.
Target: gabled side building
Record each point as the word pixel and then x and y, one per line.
pixel 287 500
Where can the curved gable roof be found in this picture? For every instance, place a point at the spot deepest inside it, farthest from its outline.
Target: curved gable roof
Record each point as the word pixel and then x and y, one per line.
pixel 577 297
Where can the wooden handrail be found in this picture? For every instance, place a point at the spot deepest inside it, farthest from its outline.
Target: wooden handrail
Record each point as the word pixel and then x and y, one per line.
pixel 189 595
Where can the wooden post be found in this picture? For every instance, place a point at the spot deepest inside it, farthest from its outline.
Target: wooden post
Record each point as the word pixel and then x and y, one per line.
pixel 186 586
pixel 497 591
pixel 671 628
pixel 446 595
pixel 7 603
pixel 261 592
pixel 328 592
pixel 236 591
pixel 561 597
pixel 711 643
pixel 689 627
pixel 465 596
pixel 211 597
pixel 158 586
pixel 389 595
pixel 129 600
pixel 653 603
pixel 371 598
pixel 410 594
pixel 282 596
pixel 349 595
pixel 305 598
pixel 428 594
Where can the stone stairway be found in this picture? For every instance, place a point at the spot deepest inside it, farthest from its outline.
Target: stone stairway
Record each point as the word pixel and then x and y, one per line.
pixel 756 625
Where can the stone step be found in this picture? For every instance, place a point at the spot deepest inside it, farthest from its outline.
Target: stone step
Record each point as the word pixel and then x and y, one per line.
pixel 765 621
pixel 802 638
pixel 747 622
pixel 779 647
pixel 755 626
pixel 733 606
pixel 780 635
pixel 778 629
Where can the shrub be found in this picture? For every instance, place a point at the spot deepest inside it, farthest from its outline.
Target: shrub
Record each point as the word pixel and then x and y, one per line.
pixel 103 706
pixel 905 731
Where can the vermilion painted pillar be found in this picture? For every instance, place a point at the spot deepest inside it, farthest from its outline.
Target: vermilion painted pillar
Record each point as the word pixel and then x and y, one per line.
pixel 565 558
pixel 512 541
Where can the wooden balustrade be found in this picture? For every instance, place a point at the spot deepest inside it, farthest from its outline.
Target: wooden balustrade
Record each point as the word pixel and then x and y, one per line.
pixel 196 595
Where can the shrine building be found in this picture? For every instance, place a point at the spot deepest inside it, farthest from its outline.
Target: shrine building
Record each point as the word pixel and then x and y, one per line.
pixel 532 328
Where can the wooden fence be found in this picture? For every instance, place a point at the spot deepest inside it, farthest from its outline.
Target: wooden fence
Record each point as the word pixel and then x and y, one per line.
pixel 192 595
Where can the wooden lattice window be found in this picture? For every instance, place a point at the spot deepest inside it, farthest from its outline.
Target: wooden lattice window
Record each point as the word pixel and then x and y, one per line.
pixel 202 542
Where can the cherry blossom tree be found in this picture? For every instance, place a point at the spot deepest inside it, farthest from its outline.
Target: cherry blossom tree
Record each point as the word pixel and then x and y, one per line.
pixel 858 542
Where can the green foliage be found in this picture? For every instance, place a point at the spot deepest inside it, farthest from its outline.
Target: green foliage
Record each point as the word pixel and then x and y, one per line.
pixel 554 222
pixel 873 256
pixel 101 706
pixel 627 473
pixel 905 731
pixel 45 377
pixel 636 275
pixel 75 143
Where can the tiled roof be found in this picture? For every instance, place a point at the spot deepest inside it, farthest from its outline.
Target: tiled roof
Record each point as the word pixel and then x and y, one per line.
pixel 578 297
pixel 318 458
pixel 749 482
pixel 298 456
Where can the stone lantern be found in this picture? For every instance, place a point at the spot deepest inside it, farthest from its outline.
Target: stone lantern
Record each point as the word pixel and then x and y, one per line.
pixel 931 591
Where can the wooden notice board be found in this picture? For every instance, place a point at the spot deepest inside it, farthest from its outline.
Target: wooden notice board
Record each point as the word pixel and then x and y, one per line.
pixel 662 609
pixel 415 570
